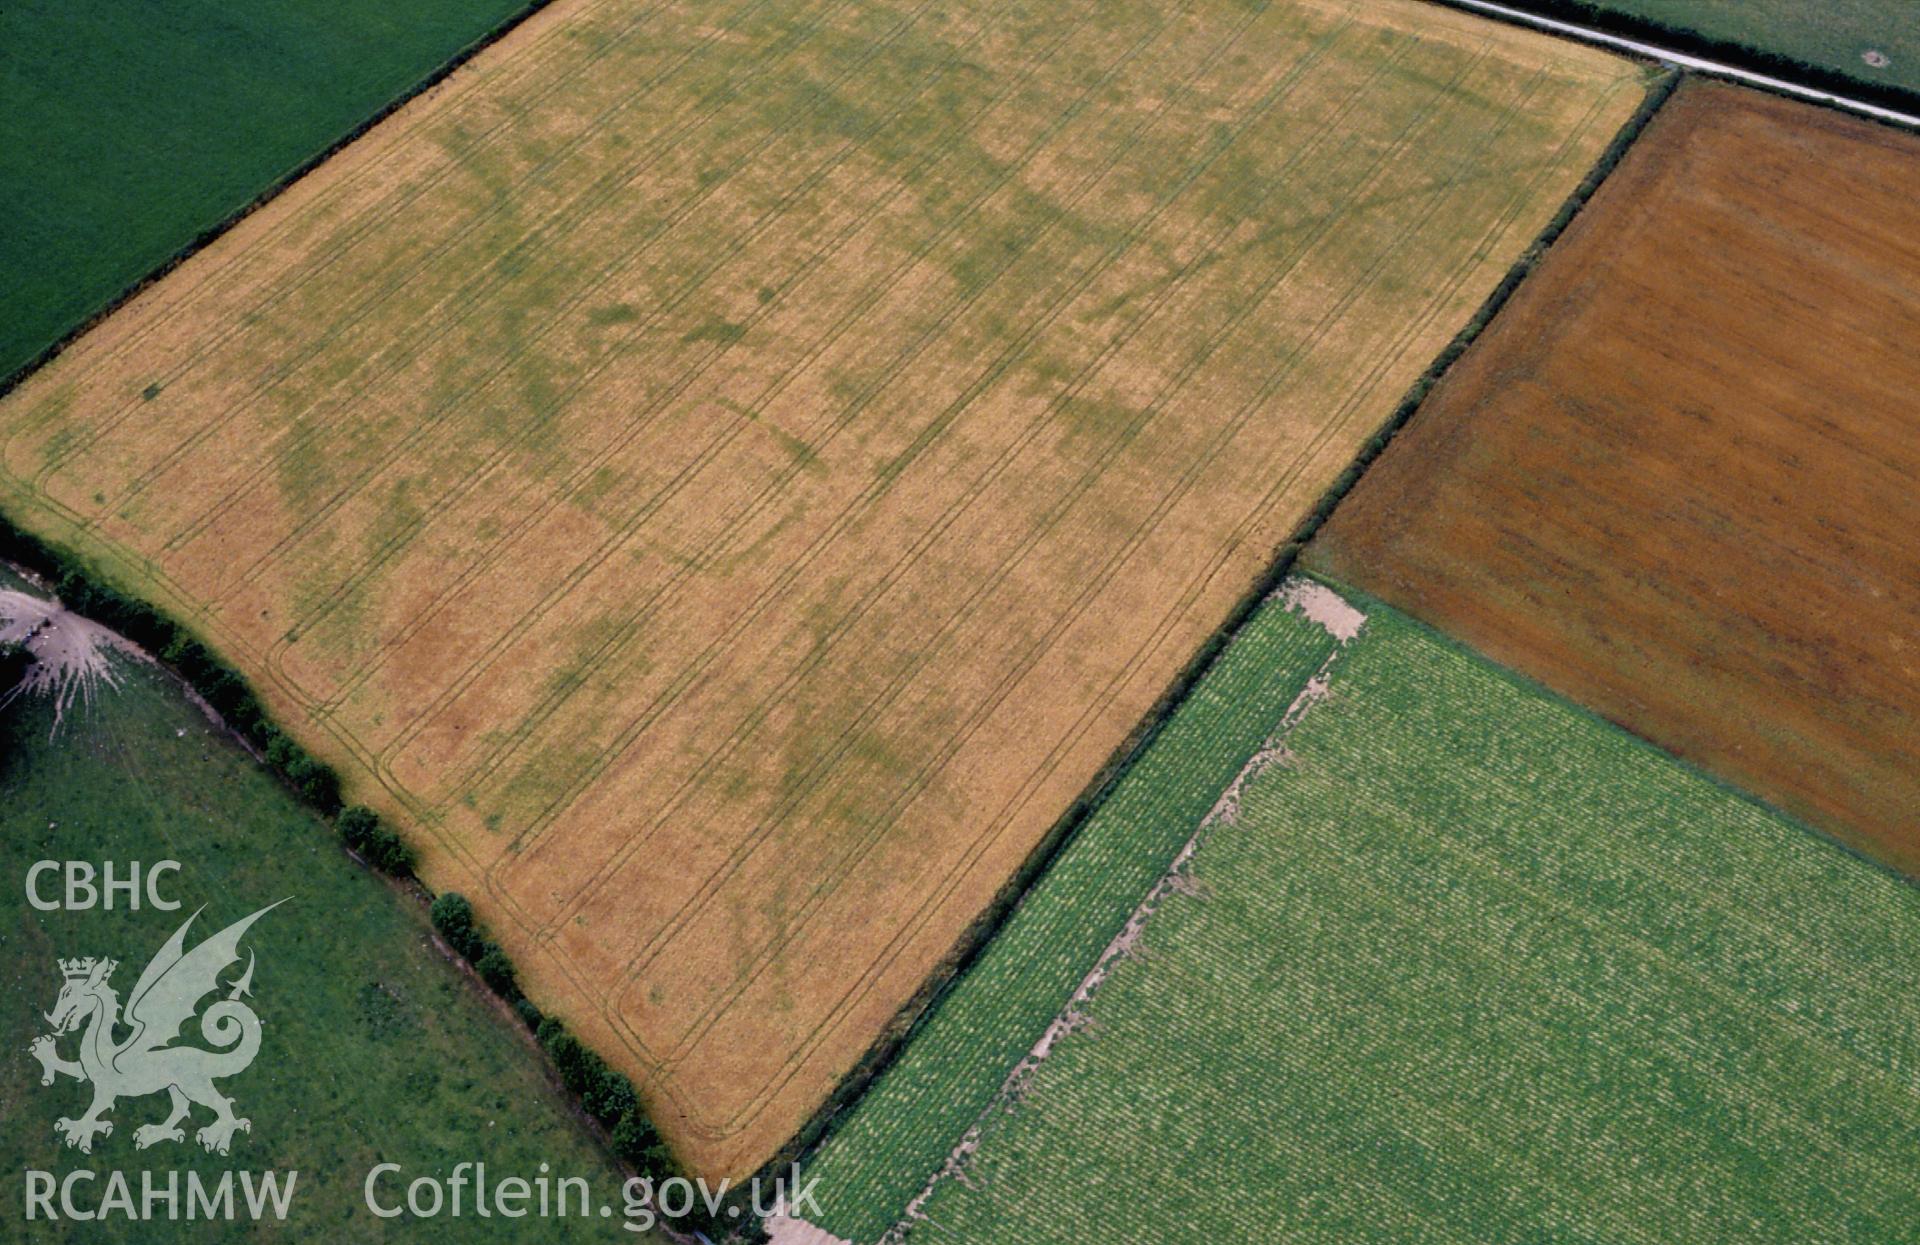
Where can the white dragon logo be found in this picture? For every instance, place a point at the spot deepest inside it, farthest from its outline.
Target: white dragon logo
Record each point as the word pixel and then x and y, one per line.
pixel 165 998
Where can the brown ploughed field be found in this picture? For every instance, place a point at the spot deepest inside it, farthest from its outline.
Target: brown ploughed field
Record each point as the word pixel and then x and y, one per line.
pixel 1679 478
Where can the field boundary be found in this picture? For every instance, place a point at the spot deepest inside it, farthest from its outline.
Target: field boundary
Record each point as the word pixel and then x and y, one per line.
pixel 1744 64
pixel 618 1119
pixel 1689 242
pixel 1095 883
pixel 1438 863
pixel 1373 603
pixel 206 237
pixel 913 1018
pixel 1297 594
pixel 71 571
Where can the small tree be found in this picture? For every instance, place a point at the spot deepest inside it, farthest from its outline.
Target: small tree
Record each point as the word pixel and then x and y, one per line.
pixel 609 1096
pixel 389 852
pixel 571 1060
pixel 497 971
pixel 452 915
pixel 357 824
pixel 635 1139
pixel 316 783
pixel 281 751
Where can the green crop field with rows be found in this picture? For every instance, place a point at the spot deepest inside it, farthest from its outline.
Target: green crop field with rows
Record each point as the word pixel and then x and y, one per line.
pixel 950 1073
pixel 1460 963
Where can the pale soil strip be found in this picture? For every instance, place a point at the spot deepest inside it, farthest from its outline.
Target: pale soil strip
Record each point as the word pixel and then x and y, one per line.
pixel 784 1229
pixel 1312 601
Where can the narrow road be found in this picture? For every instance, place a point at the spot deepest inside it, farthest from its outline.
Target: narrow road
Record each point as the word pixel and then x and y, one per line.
pixel 1656 52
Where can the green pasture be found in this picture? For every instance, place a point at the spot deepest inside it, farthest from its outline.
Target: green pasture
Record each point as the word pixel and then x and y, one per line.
pixel 1469 965
pixel 374 1047
pixel 128 129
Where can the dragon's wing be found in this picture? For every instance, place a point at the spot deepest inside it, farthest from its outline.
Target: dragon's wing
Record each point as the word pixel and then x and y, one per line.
pixel 170 989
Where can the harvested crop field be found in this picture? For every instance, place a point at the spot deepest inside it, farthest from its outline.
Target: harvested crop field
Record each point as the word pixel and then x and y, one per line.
pixel 1456 961
pixel 728 477
pixel 1674 480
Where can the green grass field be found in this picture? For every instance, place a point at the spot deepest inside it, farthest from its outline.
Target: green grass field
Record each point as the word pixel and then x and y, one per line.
pixel 904 1125
pixel 374 1047
pixel 1468 965
pixel 127 129
pixel 1837 35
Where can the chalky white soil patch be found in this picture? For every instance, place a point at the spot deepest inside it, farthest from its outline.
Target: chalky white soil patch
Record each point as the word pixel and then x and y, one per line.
pixel 1318 603
pixel 71 657
pixel 784 1229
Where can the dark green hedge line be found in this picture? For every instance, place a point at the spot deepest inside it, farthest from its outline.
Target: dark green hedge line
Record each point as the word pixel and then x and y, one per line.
pixel 914 1015
pixel 374 841
pixel 605 1094
pixel 219 683
pixel 1603 17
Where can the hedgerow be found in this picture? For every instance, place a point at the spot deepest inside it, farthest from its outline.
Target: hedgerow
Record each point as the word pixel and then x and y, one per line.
pixel 605 1094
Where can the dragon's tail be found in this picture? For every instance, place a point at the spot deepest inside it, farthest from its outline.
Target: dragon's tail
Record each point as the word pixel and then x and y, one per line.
pixel 231 1023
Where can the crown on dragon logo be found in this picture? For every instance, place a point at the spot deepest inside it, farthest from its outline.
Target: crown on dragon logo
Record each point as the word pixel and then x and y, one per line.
pixel 155 1055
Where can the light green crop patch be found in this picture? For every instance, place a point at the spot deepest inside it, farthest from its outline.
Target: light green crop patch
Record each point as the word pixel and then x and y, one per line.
pixel 952 1070
pixel 1464 964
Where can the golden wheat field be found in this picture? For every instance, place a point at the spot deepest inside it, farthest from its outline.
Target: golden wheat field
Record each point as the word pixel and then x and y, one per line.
pixel 724 478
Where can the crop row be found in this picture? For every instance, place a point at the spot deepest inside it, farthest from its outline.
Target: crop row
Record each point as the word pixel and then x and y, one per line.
pixel 952 1069
pixel 1478 966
